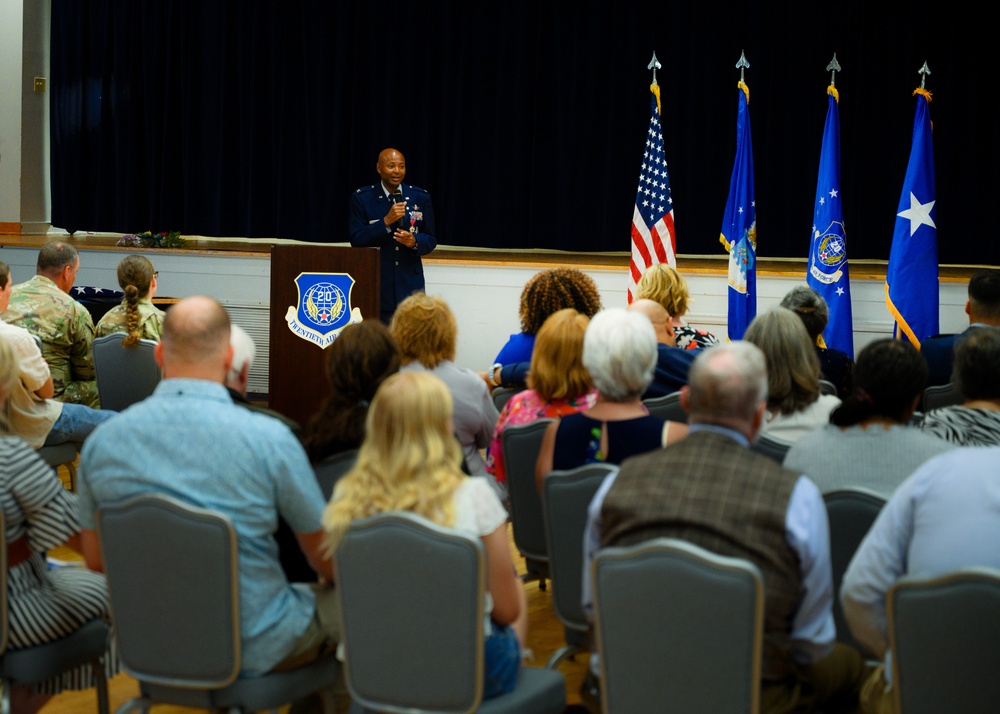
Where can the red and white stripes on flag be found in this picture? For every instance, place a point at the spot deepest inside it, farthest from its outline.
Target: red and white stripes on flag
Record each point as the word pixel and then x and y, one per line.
pixel 653 238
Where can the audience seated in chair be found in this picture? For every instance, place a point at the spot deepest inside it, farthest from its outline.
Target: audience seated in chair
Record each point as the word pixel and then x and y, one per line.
pixel 976 375
pixel 710 489
pixel 543 295
pixel 983 309
pixel 426 332
pixel 189 440
pixel 672 362
pixel 38 514
pixel 619 351
pixel 795 405
pixel 664 285
pixel 409 462
pixel 136 315
pixel 33 414
pixel 868 444
pixel 944 517
pixel 558 383
pixel 237 379
pixel 835 366
pixel 360 359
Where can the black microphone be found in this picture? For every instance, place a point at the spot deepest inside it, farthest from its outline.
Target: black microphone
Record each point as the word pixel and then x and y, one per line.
pixel 397 197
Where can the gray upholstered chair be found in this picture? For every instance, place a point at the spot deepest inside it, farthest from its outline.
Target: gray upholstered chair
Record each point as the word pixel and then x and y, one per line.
pixel 692 613
pixel 667 407
pixel 413 626
pixel 332 468
pixel 124 376
pixel 827 387
pixel 521 444
pixel 565 497
pixel 30 665
pixel 501 395
pixel 61 455
pixel 172 576
pixel 851 512
pixel 943 632
pixel 941 395
pixel 771 446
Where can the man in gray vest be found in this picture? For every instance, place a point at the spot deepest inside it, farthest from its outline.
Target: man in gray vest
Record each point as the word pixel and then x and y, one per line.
pixel 712 490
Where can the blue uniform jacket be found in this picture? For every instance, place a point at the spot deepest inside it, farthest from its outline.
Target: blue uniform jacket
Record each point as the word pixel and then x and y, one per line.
pixel 402 271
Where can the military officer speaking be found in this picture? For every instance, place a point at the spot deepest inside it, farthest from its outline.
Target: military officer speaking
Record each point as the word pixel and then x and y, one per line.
pixel 399 219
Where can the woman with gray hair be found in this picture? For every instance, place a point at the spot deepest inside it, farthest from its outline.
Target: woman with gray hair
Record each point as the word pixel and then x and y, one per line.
pixel 619 351
pixel 835 366
pixel 795 406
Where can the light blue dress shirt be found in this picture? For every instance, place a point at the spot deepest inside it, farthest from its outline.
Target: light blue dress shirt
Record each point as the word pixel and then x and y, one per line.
pixel 189 441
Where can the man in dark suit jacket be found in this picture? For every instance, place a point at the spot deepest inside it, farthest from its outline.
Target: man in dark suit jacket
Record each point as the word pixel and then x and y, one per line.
pixel 399 219
pixel 983 309
pixel 672 362
pixel 711 489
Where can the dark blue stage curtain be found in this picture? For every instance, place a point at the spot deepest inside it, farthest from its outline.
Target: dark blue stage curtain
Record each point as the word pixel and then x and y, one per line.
pixel 525 120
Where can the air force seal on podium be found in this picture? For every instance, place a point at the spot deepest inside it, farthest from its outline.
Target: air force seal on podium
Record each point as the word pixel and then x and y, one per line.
pixel 324 307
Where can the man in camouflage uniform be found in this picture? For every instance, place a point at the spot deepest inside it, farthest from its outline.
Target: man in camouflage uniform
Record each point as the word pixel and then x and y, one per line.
pixel 44 308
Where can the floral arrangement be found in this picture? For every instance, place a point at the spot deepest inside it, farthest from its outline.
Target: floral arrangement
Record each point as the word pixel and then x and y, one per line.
pixel 153 240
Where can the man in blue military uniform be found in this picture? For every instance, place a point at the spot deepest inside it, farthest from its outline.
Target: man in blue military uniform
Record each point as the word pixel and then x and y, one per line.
pixel 399 219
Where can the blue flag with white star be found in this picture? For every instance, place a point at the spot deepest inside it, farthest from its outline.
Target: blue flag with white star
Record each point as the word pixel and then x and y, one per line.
pixel 827 272
pixel 739 226
pixel 911 280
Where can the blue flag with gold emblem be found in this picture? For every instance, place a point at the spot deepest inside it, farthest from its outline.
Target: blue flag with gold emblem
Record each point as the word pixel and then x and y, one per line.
pixel 911 280
pixel 739 226
pixel 827 272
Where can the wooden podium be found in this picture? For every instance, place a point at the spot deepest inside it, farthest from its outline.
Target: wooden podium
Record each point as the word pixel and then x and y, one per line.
pixel 297 369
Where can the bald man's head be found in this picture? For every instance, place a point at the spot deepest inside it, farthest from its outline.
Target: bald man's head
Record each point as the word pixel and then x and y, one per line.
pixel 391 168
pixel 659 317
pixel 195 340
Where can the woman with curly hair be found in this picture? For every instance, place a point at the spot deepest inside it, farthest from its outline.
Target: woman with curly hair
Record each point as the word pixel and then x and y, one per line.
pixel 410 462
pixel 545 293
pixel 136 315
pixel 558 383
pixel 795 405
pixel 663 284
pixel 363 357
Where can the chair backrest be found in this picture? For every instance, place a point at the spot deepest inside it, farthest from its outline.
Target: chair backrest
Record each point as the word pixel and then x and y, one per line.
pixel 851 513
pixel 667 407
pixel 698 616
pixel 521 444
pixel 413 626
pixel 172 577
pixel 3 584
pixel 332 468
pixel 941 395
pixel 565 497
pixel 943 632
pixel 124 376
pixel 771 446
pixel 827 387
pixel 501 395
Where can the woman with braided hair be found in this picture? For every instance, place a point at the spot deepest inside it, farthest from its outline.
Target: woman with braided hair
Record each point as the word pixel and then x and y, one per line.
pixel 136 315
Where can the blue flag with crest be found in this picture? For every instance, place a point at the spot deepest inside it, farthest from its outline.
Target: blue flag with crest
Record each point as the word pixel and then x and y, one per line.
pixel 739 226
pixel 827 272
pixel 911 280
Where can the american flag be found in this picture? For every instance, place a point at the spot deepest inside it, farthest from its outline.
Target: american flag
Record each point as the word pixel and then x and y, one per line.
pixel 653 239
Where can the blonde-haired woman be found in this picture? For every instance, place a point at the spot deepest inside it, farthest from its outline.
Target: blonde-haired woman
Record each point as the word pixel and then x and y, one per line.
pixel 558 383
pixel 794 403
pixel 136 314
pixel 664 285
pixel 409 461
pixel 427 335
pixel 39 513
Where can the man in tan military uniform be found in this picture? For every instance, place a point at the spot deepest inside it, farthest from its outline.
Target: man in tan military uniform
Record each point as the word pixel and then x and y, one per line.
pixel 44 308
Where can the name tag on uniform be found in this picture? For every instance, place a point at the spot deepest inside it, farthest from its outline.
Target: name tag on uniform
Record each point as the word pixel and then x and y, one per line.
pixel 374 220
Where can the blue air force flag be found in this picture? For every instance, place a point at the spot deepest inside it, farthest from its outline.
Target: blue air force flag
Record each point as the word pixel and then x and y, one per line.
pixel 324 307
pixel 739 226
pixel 911 280
pixel 827 272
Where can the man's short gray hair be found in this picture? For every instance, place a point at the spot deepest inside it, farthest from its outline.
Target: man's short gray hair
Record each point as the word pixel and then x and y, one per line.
pixel 55 256
pixel 727 383
pixel 619 351
pixel 244 351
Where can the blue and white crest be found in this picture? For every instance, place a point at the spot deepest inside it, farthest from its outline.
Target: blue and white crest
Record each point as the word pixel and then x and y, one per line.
pixel 324 307
pixel 829 252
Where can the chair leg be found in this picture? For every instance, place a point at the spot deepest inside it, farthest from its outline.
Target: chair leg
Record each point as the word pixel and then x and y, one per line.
pixel 5 700
pixel 563 653
pixel 139 704
pixel 101 683
pixel 71 468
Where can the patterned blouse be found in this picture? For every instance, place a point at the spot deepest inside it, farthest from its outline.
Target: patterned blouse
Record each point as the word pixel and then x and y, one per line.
pixel 688 338
pixel 964 426
pixel 523 408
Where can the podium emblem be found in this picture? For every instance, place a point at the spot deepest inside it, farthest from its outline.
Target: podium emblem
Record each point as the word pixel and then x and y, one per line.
pixel 324 307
